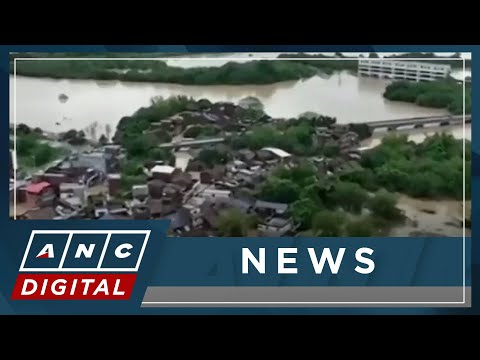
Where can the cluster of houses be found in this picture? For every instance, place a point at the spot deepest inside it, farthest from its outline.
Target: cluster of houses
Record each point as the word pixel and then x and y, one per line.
pixel 88 185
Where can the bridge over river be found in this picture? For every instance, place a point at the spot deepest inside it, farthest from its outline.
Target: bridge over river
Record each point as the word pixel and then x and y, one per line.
pixel 419 122
pixel 415 122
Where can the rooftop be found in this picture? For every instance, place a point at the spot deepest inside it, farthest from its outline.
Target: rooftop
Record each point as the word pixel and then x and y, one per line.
pixel 37 188
pixel 278 222
pixel 276 151
pixel 164 169
pixel 71 186
pixel 278 207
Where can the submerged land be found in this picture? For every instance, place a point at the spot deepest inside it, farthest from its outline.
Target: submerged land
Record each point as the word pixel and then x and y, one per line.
pixel 447 93
pixel 231 169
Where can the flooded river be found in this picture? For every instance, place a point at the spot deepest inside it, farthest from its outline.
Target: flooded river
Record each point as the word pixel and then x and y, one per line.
pixel 430 218
pixel 102 103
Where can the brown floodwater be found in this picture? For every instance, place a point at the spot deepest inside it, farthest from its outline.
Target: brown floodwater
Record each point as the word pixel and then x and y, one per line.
pixel 429 217
pixel 100 103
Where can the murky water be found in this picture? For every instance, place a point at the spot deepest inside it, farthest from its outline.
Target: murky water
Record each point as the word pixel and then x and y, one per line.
pixel 345 96
pixel 430 217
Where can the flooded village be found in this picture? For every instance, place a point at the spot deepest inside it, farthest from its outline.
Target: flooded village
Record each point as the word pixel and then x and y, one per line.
pixel 227 168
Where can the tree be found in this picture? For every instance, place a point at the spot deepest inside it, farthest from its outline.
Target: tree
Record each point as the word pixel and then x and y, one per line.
pixel 43 154
pixel 310 115
pixel 328 223
pixel 26 144
pixel 23 129
pixel 303 211
pixel 138 147
pixel 373 55
pixel 302 175
pixel 38 131
pixel 361 227
pixel 212 157
pixel 331 150
pixel 198 130
pixel 132 168
pixel 366 178
pixel 233 223
pixel 350 196
pixel 193 131
pixel 280 190
pixel 161 154
pixel 362 130
pixel 103 140
pixel 251 102
pixel 445 93
pixel 250 108
pixel 383 205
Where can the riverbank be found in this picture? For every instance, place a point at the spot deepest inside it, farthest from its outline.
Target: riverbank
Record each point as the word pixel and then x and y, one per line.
pixel 245 72
pixel 157 71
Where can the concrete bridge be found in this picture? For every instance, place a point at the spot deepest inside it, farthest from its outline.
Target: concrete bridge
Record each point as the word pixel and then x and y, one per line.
pixel 419 122
pixel 415 122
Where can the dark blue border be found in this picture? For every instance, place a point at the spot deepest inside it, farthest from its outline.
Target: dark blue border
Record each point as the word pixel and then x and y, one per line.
pixel 11 229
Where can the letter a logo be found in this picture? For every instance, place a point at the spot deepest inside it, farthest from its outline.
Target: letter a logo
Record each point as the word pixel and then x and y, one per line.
pixel 46 252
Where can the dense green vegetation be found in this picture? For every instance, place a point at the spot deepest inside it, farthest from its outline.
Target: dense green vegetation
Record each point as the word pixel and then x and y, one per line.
pixel 212 157
pixel 32 152
pixel 199 131
pixel 296 136
pixel 327 64
pixel 296 139
pixel 253 72
pixel 133 132
pixel 432 169
pixel 330 206
pixel 234 223
pixel 132 174
pixel 446 94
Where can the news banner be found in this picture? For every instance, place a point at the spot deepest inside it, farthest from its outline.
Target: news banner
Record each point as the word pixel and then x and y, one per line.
pixel 243 201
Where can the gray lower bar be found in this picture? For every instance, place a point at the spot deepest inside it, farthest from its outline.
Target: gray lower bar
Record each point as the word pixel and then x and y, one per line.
pixel 299 296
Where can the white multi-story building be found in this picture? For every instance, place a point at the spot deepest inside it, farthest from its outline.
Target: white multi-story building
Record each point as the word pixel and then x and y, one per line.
pixel 403 69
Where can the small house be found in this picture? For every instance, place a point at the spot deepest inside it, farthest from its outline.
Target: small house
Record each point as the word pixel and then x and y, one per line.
pixel 246 155
pixel 114 184
pixel 181 221
pixel 270 208
pixel 70 190
pixel 141 212
pixel 276 226
pixel 163 172
pixel 212 194
pixel 39 194
pixel 155 188
pixel 270 153
pixel 140 192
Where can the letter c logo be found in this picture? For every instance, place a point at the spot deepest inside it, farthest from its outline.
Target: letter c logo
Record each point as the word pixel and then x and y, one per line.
pixel 119 253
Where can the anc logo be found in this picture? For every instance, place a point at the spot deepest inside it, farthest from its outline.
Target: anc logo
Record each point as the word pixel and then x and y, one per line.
pixel 80 264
